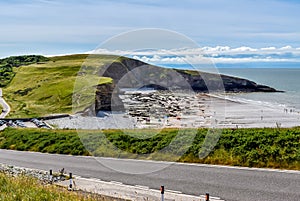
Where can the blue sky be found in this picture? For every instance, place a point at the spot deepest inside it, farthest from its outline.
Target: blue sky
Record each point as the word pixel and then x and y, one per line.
pixel 58 27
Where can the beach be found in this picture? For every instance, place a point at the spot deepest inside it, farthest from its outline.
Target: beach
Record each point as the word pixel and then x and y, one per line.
pixel 249 114
pixel 161 109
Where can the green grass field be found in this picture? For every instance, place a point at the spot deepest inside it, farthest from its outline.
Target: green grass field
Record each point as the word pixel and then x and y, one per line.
pixel 46 88
pixel 264 147
pixel 24 188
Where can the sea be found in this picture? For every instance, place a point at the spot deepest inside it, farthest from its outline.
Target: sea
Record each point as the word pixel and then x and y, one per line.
pixel 281 76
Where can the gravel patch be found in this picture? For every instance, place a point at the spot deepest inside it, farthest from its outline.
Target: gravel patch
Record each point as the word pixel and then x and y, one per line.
pixel 41 175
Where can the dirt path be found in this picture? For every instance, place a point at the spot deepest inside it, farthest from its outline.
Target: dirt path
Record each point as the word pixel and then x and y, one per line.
pixel 5 106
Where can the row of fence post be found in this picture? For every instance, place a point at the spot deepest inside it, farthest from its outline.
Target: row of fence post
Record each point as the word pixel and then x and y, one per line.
pixel 162 188
pixel 162 191
pixel 70 178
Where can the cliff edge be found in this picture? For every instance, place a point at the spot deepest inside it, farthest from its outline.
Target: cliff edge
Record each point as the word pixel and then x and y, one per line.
pixel 131 73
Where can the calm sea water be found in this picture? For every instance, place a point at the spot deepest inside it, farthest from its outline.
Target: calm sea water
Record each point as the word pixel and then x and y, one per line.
pixel 285 77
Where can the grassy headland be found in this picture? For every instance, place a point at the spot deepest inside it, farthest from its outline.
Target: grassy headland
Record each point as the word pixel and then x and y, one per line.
pixel 46 87
pixel 262 147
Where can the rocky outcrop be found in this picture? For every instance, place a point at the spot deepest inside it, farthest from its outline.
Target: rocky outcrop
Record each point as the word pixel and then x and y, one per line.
pixel 134 73
pixel 107 98
pixel 205 82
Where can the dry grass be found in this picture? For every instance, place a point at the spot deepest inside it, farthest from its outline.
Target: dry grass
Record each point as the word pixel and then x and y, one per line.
pixel 30 189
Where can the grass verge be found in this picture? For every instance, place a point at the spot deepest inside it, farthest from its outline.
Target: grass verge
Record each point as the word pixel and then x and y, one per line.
pixel 29 189
pixel 262 147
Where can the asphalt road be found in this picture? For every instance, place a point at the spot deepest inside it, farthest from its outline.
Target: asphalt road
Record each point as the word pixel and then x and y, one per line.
pixel 228 183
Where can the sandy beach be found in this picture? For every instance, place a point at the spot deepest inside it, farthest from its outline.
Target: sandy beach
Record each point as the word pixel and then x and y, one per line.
pixel 156 109
pixel 253 115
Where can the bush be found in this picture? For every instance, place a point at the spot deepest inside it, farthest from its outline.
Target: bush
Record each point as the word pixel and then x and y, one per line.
pixel 263 147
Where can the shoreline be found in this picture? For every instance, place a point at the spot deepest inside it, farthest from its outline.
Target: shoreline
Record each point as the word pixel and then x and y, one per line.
pixel 187 110
pixel 251 114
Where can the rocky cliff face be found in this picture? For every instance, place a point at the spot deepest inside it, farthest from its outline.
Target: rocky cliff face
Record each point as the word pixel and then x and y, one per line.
pixel 130 73
pixel 107 98
pixel 204 82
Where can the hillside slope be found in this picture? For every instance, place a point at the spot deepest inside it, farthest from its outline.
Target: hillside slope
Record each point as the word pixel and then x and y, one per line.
pixel 45 88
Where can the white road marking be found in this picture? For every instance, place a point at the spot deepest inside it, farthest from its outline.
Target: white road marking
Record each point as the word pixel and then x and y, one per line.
pixel 116 182
pixel 176 192
pixel 142 187
pixel 216 198
pixel 211 197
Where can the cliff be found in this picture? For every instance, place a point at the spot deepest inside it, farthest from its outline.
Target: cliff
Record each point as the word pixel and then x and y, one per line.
pixel 163 78
pixel 131 73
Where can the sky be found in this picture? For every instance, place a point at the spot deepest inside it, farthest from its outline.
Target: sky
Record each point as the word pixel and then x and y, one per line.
pixel 228 31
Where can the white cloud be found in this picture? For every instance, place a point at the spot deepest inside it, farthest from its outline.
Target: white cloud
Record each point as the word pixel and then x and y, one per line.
pixel 268 48
pixel 218 54
pixel 251 59
pixel 218 50
pixel 244 49
pixel 288 47
pixel 198 59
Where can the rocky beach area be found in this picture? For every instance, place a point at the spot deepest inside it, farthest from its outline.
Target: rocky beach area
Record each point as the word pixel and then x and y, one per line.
pixel 162 109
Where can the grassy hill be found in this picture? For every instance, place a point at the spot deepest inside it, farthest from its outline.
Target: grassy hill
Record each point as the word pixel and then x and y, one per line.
pixel 7 64
pixel 46 87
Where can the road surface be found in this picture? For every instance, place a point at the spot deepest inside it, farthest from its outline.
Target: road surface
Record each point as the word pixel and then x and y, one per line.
pixel 228 183
pixel 5 106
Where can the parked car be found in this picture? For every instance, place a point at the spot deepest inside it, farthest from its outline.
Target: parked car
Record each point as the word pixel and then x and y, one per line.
pixel 2 122
pixel 39 123
pixel 10 123
pixel 20 123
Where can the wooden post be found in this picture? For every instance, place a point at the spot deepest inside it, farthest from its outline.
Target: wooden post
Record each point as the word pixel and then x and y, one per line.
pixel 50 176
pixel 71 182
pixel 207 197
pixel 162 191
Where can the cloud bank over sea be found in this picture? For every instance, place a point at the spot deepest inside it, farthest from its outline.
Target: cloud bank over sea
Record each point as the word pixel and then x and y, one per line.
pixel 217 54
